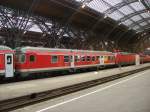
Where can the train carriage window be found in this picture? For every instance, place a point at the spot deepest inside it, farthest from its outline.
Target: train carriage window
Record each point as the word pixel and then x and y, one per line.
pixel 21 58
pixel 32 58
pixel 109 58
pixel 71 58
pixel 97 57
pixel 83 58
pixel 88 58
pixel 106 58
pixel 93 58
pixel 9 59
pixel 77 58
pixel 66 59
pixel 112 58
pixel 54 59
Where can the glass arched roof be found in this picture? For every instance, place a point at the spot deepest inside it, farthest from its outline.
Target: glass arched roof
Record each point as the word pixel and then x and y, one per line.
pixel 131 13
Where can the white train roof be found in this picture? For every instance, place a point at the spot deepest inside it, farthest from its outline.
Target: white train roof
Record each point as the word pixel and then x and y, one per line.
pixel 24 49
pixel 4 47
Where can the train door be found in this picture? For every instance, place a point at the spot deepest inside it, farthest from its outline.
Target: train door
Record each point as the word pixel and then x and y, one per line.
pixel 72 61
pixel 137 59
pixel 101 60
pixel 9 65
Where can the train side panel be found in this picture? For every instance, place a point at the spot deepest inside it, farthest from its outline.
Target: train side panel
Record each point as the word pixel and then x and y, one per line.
pixel 2 64
pixel 42 61
pixel 125 59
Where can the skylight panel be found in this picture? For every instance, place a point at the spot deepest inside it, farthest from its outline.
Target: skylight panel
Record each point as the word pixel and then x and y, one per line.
pixel 127 22
pixel 136 27
pixel 115 15
pixel 113 2
pixel 79 0
pixel 136 18
pixel 126 10
pixel 35 28
pixel 145 15
pixel 98 5
pixel 137 6
pixel 143 24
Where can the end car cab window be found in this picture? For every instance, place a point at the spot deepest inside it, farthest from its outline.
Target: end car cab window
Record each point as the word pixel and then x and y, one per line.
pixel 32 58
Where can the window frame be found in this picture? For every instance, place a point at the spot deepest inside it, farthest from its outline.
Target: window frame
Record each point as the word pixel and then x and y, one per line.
pixel 69 60
pixel 88 57
pixel 52 61
pixel 83 58
pixel 30 58
pixel 19 58
pixel 76 58
pixel 97 58
pixel 93 58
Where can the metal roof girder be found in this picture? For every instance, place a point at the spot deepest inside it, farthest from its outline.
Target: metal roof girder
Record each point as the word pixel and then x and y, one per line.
pixel 140 21
pixel 144 27
pixel 132 15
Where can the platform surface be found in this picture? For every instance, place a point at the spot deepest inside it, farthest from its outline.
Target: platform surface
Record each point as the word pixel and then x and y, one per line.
pixel 12 90
pixel 128 94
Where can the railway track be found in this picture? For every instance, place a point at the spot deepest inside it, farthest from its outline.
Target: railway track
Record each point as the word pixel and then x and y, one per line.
pixel 23 101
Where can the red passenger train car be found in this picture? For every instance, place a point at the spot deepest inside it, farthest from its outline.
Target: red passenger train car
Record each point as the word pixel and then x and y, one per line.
pixel 36 60
pixel 30 60
pixel 144 58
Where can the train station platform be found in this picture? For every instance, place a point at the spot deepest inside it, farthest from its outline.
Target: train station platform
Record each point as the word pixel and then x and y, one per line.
pixel 128 94
pixel 18 89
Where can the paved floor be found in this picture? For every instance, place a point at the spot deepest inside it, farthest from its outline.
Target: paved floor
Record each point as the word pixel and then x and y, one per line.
pixel 129 94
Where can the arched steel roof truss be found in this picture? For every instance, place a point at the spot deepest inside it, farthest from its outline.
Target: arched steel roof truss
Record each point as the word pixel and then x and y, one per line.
pixel 116 8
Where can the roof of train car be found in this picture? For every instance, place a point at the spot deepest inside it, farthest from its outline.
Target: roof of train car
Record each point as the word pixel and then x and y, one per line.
pixel 25 49
pixel 125 53
pixel 4 48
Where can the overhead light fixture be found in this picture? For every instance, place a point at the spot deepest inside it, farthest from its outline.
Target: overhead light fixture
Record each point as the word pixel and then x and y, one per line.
pixel 119 23
pixel 83 6
pixel 105 16
pixel 25 32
